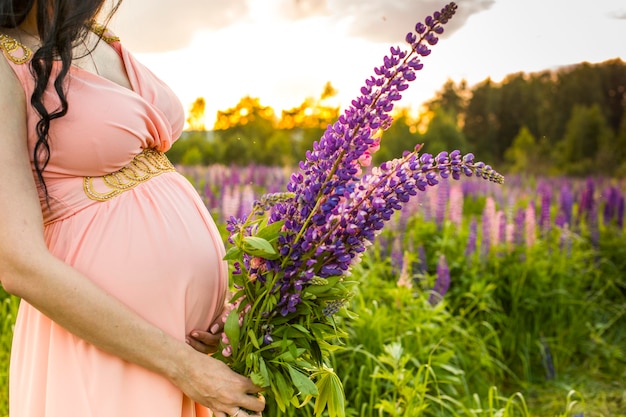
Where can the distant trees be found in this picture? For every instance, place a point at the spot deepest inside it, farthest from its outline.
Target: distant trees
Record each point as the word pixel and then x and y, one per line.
pixel 568 121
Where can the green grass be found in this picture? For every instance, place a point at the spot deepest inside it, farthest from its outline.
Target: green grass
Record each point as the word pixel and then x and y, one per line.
pixel 528 332
pixel 8 311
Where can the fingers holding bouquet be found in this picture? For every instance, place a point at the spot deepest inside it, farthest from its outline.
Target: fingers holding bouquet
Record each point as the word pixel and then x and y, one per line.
pixel 211 383
pixel 207 341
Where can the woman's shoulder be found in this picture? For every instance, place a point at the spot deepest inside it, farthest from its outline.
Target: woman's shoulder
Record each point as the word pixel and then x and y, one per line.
pixel 11 90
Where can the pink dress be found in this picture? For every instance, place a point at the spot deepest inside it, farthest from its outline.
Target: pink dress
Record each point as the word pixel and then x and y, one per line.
pixel 120 214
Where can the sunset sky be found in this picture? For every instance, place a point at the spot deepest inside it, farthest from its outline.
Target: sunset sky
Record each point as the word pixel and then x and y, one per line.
pixel 283 51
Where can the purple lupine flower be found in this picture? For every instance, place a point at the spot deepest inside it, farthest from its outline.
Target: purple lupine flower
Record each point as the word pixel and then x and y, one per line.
pixel 544 216
pixel 612 198
pixel 487 221
pixel 442 283
pixel 443 195
pixel 335 214
pixel 566 203
pixel 365 209
pixel 397 255
pixel 423 262
pixel 530 226
pixel 296 255
pixel 619 216
pixel 426 206
pixel 246 201
pixel 471 240
pixel 592 222
pixel 587 201
pixel 520 227
pixel 560 220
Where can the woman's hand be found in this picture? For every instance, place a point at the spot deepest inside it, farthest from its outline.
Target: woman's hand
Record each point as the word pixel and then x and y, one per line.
pixel 207 341
pixel 213 384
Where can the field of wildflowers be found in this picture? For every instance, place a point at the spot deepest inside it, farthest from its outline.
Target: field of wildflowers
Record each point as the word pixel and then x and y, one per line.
pixel 478 300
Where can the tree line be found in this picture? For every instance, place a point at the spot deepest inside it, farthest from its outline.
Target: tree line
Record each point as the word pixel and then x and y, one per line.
pixel 568 121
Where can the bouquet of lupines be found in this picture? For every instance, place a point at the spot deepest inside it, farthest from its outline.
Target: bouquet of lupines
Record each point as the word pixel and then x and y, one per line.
pixel 292 255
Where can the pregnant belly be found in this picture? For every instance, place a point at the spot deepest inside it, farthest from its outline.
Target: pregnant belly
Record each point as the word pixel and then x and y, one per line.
pixel 155 248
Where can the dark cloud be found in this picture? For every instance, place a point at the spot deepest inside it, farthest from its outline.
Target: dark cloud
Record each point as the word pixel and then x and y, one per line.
pixel 162 25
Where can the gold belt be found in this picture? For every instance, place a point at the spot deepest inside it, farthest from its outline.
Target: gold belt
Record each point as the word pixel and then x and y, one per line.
pixel 149 163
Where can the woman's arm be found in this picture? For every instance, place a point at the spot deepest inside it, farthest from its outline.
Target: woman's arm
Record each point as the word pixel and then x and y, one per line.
pixel 28 270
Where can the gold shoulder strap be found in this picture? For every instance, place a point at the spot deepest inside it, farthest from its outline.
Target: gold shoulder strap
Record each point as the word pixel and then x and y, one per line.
pixel 17 52
pixel 104 33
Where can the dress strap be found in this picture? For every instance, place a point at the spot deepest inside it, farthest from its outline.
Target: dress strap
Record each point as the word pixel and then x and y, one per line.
pixel 15 51
pixel 18 53
pixel 104 33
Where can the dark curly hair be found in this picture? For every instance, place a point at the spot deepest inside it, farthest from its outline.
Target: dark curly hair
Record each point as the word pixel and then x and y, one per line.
pixel 61 24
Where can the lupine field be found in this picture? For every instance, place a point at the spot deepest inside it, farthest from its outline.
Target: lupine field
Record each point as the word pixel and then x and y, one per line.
pixel 478 300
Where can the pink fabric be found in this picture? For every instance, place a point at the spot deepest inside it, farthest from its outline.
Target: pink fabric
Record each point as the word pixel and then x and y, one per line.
pixel 155 247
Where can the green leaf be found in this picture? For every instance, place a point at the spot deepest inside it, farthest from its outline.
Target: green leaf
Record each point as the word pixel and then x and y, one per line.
pixel 264 373
pixel 257 246
pixel 233 253
pixel 270 232
pixel 316 352
pixel 253 339
pixel 331 395
pixel 291 354
pixel 257 379
pixel 336 400
pixel 284 392
pixel 322 398
pixel 301 328
pixel 232 330
pixel 302 382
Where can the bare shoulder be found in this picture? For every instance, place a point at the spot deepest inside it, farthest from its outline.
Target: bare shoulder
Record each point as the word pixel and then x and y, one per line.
pixel 11 91
pixel 12 114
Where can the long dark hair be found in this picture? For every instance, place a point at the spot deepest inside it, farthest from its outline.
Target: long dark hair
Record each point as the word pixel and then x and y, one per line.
pixel 60 25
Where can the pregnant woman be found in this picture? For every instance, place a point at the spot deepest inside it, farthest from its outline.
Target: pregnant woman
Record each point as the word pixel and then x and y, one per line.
pixel 114 255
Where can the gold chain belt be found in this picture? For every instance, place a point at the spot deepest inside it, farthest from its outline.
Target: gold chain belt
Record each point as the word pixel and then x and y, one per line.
pixel 149 163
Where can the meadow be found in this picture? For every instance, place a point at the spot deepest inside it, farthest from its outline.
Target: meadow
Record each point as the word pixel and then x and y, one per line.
pixel 478 300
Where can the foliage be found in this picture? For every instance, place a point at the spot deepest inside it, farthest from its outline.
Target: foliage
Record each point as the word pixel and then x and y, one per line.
pixel 8 312
pixel 489 116
pixel 586 135
pixel 485 350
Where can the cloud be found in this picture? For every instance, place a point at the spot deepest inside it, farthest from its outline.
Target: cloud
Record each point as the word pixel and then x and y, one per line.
pixel 618 14
pixel 379 20
pixel 162 25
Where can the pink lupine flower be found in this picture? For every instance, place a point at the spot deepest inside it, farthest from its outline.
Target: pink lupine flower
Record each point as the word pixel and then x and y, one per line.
pixel 405 280
pixel 455 209
pixel 531 225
